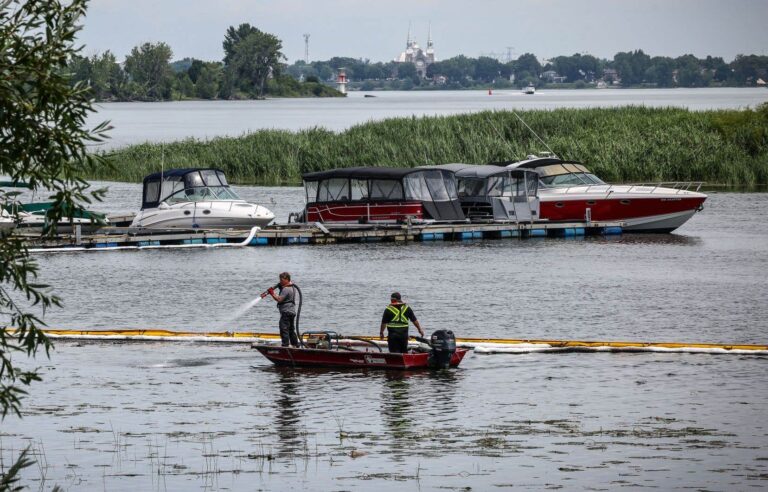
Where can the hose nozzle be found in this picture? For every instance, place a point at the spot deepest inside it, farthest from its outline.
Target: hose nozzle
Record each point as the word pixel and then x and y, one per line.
pixel 266 292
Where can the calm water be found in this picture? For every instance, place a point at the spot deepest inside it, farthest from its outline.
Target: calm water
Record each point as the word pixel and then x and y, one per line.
pixel 139 122
pixel 178 416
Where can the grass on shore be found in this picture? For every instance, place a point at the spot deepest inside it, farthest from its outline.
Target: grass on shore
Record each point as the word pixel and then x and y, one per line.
pixel 626 144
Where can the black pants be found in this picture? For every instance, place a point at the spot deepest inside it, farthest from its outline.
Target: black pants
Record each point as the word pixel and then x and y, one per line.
pixel 397 340
pixel 288 330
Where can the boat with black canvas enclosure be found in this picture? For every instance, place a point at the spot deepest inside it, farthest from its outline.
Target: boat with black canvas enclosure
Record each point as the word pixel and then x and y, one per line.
pixel 365 195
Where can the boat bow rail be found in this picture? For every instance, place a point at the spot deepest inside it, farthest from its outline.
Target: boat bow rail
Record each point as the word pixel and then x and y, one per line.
pixel 676 187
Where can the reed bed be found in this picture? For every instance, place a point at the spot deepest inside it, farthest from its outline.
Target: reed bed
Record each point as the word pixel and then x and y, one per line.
pixel 626 144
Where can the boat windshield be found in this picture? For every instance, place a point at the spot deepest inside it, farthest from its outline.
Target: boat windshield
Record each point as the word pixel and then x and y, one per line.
pixel 566 174
pixel 572 179
pixel 202 193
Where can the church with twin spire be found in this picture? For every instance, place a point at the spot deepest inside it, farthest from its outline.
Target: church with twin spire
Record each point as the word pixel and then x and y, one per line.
pixel 416 55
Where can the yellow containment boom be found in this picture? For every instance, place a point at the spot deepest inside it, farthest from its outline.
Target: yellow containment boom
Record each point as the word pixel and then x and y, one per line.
pixel 480 345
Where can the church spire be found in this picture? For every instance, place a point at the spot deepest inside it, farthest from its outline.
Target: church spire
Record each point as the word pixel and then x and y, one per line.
pixel 408 40
pixel 429 36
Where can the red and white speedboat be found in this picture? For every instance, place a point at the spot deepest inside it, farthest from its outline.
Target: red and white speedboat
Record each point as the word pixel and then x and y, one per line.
pixel 568 191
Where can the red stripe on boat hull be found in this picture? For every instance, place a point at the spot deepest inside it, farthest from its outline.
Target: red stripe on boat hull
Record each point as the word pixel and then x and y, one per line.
pixel 372 212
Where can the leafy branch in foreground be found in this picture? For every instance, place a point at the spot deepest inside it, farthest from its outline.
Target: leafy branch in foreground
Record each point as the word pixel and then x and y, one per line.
pixel 43 143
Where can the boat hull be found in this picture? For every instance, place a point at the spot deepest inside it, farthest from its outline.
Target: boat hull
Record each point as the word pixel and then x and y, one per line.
pixel 204 215
pixel 310 357
pixel 641 213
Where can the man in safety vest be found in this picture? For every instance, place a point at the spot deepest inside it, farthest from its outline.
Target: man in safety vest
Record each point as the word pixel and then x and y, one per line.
pixel 395 320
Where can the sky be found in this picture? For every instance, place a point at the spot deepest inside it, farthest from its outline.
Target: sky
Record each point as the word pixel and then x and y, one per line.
pixel 377 30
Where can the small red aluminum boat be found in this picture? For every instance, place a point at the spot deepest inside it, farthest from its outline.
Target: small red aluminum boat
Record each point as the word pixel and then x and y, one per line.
pixel 328 349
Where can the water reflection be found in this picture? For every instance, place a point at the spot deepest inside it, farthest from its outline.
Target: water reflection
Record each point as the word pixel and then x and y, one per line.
pixel 659 239
pixel 408 399
pixel 396 404
pixel 287 411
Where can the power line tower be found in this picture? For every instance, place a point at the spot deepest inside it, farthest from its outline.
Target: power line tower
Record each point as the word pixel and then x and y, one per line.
pixel 509 53
pixel 306 48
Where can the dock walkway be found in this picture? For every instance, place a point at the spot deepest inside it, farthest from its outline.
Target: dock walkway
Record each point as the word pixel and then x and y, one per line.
pixel 293 234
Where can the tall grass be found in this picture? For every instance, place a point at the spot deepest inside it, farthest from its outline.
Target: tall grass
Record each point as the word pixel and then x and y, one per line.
pixel 624 144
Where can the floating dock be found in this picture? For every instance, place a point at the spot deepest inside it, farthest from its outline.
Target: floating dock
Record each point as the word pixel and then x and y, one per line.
pixel 117 238
pixel 480 345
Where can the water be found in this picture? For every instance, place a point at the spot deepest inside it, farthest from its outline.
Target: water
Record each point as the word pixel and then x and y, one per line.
pixel 244 309
pixel 177 416
pixel 139 122
pixel 180 416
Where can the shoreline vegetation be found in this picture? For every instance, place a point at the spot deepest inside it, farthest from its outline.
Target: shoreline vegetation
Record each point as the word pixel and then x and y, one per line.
pixel 621 145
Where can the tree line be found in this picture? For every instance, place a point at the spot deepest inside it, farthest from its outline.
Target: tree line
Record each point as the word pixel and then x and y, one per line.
pixel 628 69
pixel 252 68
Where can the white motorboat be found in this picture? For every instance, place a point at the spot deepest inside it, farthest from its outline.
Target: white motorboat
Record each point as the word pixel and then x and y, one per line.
pixel 196 198
pixel 530 89
pixel 570 192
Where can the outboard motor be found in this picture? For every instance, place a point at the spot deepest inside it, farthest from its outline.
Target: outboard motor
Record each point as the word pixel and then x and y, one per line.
pixel 443 344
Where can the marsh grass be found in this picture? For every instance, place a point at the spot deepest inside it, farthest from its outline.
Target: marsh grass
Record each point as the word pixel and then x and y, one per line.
pixel 626 144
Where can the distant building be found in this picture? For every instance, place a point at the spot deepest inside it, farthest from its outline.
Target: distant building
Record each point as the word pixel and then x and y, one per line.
pixel 414 54
pixel 611 76
pixel 553 77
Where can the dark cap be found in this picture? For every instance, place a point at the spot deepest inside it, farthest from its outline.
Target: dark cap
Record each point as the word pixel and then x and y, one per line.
pixel 395 296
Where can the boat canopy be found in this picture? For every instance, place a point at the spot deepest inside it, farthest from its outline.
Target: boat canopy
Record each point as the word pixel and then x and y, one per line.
pixel 184 185
pixel 492 181
pixel 488 191
pixel 435 188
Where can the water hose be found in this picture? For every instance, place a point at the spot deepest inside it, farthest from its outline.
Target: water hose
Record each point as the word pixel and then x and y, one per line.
pixel 298 315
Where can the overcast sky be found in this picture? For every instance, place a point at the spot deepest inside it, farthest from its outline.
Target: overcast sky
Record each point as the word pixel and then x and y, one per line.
pixel 377 29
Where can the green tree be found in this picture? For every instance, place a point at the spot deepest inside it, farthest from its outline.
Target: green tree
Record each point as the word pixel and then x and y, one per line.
pixel 148 66
pixel 660 72
pixel 527 66
pixel 184 85
pixel 747 68
pixel 252 56
pixel 207 85
pixel 233 36
pixel 689 71
pixel 631 66
pixel 406 71
pixel 43 142
pixel 487 69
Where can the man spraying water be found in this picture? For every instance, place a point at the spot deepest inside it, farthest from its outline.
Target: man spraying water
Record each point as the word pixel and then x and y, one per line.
pixel 286 305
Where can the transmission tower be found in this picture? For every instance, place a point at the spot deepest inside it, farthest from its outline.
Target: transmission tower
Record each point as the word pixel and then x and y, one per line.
pixel 306 48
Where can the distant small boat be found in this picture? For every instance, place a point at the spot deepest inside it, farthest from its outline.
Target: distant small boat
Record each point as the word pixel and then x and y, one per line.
pixel 531 89
pixel 369 95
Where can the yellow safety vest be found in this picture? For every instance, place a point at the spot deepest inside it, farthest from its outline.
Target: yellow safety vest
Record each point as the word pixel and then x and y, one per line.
pixel 399 320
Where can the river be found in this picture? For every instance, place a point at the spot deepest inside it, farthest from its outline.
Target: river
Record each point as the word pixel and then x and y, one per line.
pixel 175 416
pixel 180 416
pixel 168 121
